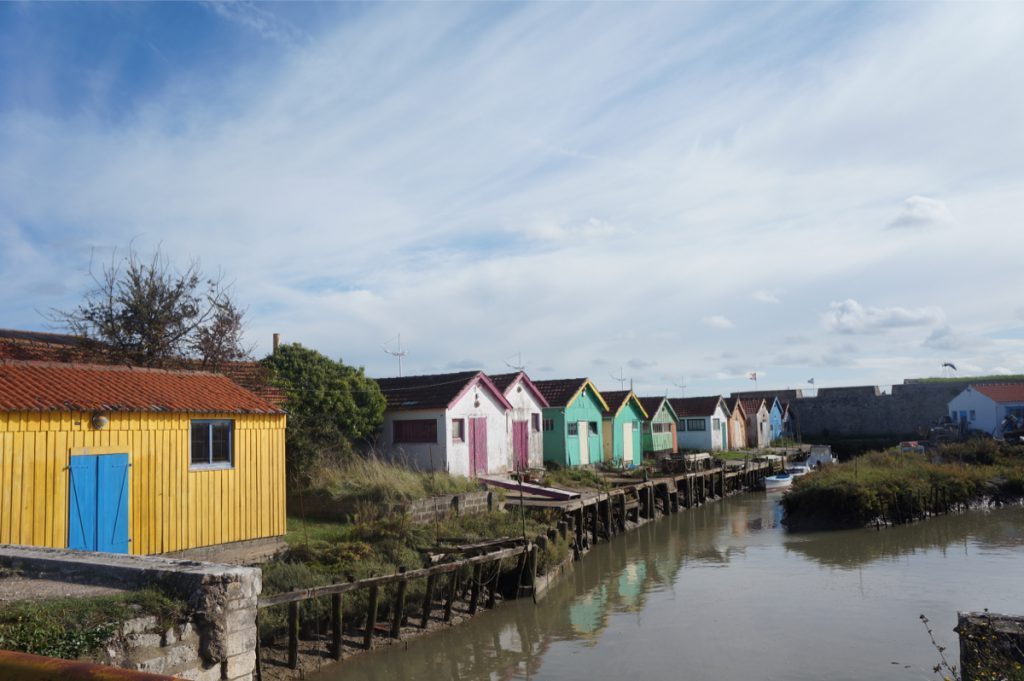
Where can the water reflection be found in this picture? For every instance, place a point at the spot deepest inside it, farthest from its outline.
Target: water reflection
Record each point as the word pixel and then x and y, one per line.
pixel 727 591
pixel 856 548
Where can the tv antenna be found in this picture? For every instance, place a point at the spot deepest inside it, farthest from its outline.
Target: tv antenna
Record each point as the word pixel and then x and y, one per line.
pixel 400 353
pixel 519 366
pixel 621 379
pixel 681 385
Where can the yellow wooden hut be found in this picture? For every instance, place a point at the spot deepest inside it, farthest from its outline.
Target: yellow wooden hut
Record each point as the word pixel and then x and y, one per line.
pixel 141 461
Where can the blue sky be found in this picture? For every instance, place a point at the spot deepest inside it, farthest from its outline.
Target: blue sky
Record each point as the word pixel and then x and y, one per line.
pixel 680 190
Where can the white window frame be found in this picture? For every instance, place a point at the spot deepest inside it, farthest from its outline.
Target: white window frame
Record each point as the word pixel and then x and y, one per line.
pixel 210 464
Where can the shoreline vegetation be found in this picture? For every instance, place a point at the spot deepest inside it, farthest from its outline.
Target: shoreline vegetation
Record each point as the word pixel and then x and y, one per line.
pixel 893 488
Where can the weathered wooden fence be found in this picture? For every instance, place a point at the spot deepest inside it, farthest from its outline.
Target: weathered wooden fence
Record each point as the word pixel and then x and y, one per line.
pixel 527 571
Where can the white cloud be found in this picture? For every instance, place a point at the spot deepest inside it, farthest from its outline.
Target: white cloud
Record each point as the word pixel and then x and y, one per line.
pixel 851 317
pixel 921 212
pixel 765 296
pixel 718 322
pixel 945 338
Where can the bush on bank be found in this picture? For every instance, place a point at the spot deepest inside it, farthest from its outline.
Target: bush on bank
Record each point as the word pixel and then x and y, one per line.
pixel 894 487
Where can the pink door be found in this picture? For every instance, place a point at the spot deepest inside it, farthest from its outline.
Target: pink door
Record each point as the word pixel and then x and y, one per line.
pixel 521 444
pixel 478 446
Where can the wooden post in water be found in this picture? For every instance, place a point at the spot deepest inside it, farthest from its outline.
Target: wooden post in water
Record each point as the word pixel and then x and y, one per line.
pixel 428 601
pixel 474 594
pixel 371 617
pixel 453 587
pixel 293 635
pixel 492 586
pixel 336 622
pixel 396 621
pixel 622 512
pixel 609 530
pixel 594 521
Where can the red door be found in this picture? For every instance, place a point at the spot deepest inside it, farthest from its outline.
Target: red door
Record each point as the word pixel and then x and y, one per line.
pixel 478 446
pixel 521 444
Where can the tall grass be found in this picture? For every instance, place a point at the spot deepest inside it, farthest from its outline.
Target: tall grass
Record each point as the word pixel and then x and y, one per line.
pixel 891 487
pixel 373 480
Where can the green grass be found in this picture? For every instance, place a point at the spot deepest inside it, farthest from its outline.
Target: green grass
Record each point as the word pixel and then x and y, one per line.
pixel 733 455
pixel 991 378
pixel 71 628
pixel 373 480
pixel 575 478
pixel 896 488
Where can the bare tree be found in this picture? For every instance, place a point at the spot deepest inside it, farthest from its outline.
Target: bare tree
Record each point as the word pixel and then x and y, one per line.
pixel 147 313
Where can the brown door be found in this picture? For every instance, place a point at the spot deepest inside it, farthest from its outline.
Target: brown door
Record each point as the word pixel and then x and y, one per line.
pixel 521 445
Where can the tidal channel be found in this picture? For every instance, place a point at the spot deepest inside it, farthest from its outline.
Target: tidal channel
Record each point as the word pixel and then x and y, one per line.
pixel 724 592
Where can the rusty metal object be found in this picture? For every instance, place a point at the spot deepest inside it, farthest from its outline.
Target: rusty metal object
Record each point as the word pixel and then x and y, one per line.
pixel 25 667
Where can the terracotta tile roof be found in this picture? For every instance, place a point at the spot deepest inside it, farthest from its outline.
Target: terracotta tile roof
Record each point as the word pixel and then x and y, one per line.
pixel 64 348
pixel 559 391
pixel 255 377
pixel 36 345
pixel 751 404
pixel 695 406
pixel 430 391
pixel 1001 392
pixel 51 386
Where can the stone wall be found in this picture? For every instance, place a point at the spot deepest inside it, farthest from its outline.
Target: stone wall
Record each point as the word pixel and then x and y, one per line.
pixel 991 645
pixel 866 412
pixel 419 512
pixel 218 638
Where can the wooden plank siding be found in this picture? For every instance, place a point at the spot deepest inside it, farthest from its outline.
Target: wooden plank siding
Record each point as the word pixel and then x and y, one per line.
pixel 171 507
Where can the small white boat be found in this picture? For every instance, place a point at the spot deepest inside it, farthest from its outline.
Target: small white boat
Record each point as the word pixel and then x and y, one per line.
pixel 798 469
pixel 778 481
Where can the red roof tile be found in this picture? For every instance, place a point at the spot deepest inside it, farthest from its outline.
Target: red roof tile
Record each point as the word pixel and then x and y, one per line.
pixel 504 381
pixel 651 404
pixel 1002 392
pixel 751 405
pixel 51 386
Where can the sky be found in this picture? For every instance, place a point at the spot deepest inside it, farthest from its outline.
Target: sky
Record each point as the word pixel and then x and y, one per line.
pixel 672 194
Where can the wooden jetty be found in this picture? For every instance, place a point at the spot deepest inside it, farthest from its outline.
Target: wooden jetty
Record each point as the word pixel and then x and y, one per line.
pixel 588 517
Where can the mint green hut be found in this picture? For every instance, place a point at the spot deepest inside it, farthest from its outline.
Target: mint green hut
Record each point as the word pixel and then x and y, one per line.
pixel 623 422
pixel 659 435
pixel 572 421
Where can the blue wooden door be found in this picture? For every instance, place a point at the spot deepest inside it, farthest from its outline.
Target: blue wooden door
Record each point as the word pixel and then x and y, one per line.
pixel 98 503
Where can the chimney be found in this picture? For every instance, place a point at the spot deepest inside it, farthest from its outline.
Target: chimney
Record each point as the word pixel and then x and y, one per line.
pixel 277 342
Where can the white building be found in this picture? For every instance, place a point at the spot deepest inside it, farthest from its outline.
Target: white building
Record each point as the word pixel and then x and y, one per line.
pixel 526 441
pixel 447 422
pixel 703 422
pixel 985 406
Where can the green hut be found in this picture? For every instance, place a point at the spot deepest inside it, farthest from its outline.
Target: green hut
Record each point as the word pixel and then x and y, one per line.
pixel 572 421
pixel 623 421
pixel 659 436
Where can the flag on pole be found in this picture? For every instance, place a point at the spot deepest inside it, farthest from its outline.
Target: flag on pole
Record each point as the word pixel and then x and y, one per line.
pixel 752 376
pixel 950 365
pixel 811 380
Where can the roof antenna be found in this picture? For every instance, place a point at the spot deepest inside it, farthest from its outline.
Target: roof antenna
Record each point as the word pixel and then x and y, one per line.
pixel 681 385
pixel 620 378
pixel 518 367
pixel 400 353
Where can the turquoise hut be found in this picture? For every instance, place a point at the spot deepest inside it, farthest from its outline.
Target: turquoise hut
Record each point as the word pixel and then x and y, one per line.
pixel 659 436
pixel 623 423
pixel 572 421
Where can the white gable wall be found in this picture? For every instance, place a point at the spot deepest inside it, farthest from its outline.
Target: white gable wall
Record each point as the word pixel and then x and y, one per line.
pixel 723 419
pixel 476 402
pixel 524 406
pixel 988 414
pixel 426 456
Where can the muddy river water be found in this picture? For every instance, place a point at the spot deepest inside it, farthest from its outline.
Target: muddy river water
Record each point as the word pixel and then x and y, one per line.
pixel 724 592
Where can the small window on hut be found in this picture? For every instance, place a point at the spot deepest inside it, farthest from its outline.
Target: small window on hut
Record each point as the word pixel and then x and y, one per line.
pixel 535 422
pixel 458 430
pixel 212 444
pixel 695 424
pixel 413 431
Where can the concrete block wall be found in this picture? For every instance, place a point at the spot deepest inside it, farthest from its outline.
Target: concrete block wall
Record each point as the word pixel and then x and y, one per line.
pixel 419 512
pixel 217 640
